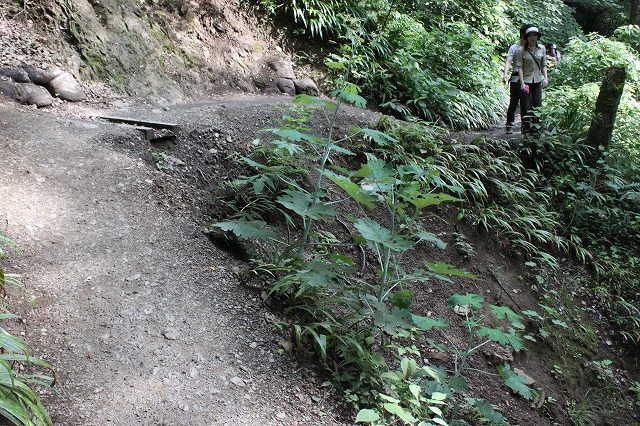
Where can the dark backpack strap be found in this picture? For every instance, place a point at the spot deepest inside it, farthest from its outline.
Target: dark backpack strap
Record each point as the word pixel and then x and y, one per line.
pixel 534 60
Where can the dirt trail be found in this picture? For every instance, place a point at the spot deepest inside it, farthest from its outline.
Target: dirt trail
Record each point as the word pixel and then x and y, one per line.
pixel 142 317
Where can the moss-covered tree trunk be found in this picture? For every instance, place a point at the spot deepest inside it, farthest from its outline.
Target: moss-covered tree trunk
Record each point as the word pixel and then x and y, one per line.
pixel 599 136
pixel 634 12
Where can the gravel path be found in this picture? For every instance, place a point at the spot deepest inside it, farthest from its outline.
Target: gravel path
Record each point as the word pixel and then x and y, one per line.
pixel 143 319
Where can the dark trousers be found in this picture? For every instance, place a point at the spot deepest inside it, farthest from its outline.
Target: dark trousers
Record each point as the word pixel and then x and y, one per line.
pixel 528 103
pixel 514 100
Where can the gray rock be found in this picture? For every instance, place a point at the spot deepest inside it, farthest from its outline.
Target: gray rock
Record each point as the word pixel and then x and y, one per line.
pixel 32 94
pixel 41 76
pixel 66 87
pixel 18 75
pixel 245 86
pixel 282 68
pixel 285 85
pixel 264 82
pixel 238 381
pixel 171 333
pixel 8 88
pixel 306 86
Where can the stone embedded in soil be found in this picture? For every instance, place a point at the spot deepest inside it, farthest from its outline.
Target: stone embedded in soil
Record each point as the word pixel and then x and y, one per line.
pixel 462 310
pixel 500 356
pixel 171 333
pixel 237 381
pixel 286 345
pixel 438 356
pixel 524 375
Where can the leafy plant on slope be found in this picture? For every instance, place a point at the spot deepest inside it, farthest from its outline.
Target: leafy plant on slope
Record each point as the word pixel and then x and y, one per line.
pixel 356 319
pixel 19 403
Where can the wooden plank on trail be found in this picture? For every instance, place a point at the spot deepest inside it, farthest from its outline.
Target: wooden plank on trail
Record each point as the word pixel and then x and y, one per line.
pixel 143 123
pixel 148 132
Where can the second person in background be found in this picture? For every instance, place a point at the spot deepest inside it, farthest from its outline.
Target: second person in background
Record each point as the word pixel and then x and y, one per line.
pixel 512 79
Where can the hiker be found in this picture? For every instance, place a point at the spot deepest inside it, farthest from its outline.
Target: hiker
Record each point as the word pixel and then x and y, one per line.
pixel 531 60
pixel 553 58
pixel 512 80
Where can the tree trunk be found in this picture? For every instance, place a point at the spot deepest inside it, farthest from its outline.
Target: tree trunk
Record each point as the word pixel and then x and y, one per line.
pixel 634 12
pixel 599 136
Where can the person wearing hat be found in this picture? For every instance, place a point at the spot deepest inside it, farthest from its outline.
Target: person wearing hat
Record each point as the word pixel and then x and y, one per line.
pixel 512 79
pixel 531 61
pixel 553 58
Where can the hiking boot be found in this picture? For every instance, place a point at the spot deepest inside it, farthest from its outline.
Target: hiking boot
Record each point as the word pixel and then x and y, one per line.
pixel 509 128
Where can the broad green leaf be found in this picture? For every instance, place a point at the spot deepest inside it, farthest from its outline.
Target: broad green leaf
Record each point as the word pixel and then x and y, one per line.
pixel 367 416
pixel 427 200
pixel 501 312
pixel 400 412
pixel 258 184
pixel 442 268
pixel 335 65
pixel 347 261
pixel 288 147
pixel 489 412
pixel 394 322
pixel 515 382
pixel 415 391
pixel 379 137
pixel 474 301
pixel 373 232
pixel 532 314
pixel 432 372
pixel 432 238
pixel 310 100
pixel 352 98
pixel 499 336
pixel 251 163
pixel 404 366
pixel 426 323
pixel 389 398
pixel 341 150
pixel 301 203
pixel 518 325
pixel 352 189
pixel 436 410
pixel 376 170
pixel 392 376
pixel 249 229
pixel 458 384
pixel 294 135
pixel 438 396
pixel 402 299
pixel 560 323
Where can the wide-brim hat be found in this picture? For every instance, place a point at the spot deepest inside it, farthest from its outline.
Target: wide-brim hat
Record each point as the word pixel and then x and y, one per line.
pixel 532 30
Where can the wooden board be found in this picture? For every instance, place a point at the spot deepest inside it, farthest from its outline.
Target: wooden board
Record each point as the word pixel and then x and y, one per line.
pixel 143 123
